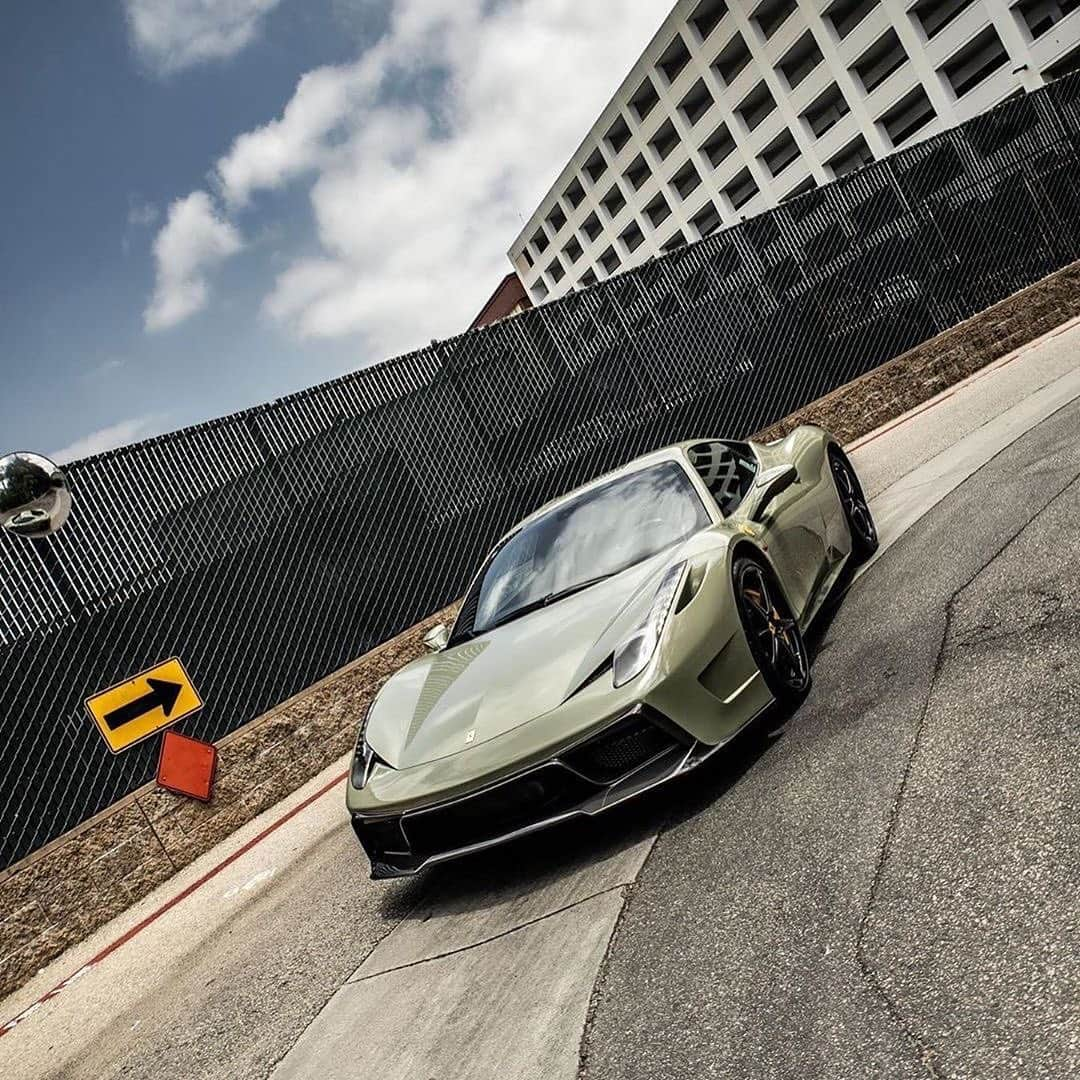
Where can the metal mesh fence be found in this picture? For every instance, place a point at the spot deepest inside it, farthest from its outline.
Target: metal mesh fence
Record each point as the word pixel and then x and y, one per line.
pixel 269 548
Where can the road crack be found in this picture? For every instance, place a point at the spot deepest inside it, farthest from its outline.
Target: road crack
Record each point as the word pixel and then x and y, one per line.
pixel 1047 609
pixel 928 1055
pixel 601 971
pixel 357 979
pixel 408 908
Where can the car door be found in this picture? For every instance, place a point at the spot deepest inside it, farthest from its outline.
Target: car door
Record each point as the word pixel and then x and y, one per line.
pixel 795 529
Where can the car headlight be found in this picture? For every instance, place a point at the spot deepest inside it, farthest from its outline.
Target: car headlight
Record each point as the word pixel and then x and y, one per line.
pixel 363 758
pixel 635 652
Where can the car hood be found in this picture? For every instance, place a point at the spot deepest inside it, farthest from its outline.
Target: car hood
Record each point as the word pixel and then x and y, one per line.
pixel 450 701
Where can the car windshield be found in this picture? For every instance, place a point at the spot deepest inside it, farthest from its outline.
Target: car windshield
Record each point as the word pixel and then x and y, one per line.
pixel 598 534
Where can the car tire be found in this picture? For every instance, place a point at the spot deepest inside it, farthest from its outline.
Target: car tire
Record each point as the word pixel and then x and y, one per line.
pixel 860 522
pixel 772 631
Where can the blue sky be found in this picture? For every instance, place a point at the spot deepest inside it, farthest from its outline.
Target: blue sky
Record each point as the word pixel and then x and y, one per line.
pixel 215 202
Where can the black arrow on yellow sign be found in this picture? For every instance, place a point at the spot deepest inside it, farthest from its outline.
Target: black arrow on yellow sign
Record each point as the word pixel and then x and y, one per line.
pixel 162 696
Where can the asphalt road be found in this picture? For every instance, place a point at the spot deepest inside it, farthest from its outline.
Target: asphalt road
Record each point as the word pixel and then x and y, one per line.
pixel 883 885
pixel 891 886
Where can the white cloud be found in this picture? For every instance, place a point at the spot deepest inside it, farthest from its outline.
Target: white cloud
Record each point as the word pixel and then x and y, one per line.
pixel 425 154
pixel 141 215
pixel 109 438
pixel 303 283
pixel 296 142
pixel 193 241
pixel 171 35
pixel 102 370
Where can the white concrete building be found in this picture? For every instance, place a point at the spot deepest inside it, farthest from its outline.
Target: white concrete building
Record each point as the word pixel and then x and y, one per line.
pixel 738 105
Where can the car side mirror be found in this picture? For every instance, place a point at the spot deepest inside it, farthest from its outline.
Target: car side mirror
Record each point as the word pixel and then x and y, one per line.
pixel 35 499
pixel 437 638
pixel 770 485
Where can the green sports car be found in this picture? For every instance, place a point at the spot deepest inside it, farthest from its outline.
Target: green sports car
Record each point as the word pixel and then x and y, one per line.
pixel 615 639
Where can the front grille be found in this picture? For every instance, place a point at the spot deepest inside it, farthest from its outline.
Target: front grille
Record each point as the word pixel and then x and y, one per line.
pixel 620 749
pixel 544 793
pixel 401 845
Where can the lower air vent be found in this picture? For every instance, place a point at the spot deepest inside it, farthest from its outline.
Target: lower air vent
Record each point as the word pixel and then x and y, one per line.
pixel 619 750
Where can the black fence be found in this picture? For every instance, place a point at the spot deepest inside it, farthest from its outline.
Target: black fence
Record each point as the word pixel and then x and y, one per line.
pixel 269 548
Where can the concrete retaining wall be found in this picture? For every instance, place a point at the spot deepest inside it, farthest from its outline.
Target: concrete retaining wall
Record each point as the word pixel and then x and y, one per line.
pixel 62 893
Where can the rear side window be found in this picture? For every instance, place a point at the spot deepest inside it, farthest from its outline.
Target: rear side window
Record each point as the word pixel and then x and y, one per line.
pixel 728 469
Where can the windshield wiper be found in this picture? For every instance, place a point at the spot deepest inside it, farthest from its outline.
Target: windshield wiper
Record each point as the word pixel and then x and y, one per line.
pixel 548 600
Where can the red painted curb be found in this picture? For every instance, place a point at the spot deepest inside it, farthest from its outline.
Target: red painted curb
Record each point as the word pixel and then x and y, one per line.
pixel 138 928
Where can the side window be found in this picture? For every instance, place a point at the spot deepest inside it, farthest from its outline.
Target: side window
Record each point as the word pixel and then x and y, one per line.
pixel 728 469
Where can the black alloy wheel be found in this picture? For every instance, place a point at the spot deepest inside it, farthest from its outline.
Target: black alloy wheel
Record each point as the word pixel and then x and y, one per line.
pixel 864 537
pixel 772 632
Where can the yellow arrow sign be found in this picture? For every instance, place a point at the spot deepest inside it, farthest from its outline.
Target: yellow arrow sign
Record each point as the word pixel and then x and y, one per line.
pixel 133 710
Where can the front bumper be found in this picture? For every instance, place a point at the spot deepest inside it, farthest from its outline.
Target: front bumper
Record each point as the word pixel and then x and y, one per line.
pixel 638 751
